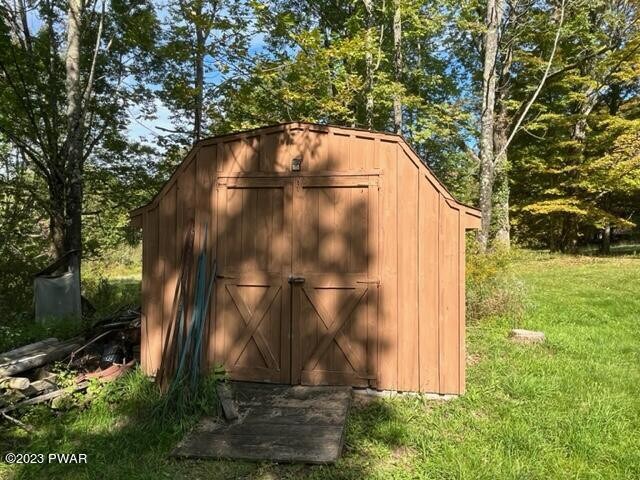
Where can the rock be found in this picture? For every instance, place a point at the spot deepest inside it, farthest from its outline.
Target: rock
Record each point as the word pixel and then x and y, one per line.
pixel 14 383
pixel 526 336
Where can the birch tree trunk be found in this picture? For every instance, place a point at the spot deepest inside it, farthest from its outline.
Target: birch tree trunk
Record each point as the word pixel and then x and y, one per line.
pixel 487 119
pixel 397 64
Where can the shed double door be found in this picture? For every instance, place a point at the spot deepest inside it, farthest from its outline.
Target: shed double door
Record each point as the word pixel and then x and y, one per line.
pixel 297 287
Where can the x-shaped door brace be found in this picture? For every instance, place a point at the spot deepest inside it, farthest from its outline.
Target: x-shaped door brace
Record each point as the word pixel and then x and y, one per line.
pixel 252 322
pixel 334 329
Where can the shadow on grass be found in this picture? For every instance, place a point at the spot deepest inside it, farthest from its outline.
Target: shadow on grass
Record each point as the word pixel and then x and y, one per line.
pixel 119 431
pixel 123 437
pixel 623 250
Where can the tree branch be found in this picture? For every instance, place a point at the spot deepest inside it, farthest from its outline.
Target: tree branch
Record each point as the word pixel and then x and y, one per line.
pixel 540 85
pixel 89 87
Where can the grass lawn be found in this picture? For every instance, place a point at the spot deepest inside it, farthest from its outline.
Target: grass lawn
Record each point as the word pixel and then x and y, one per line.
pixel 567 409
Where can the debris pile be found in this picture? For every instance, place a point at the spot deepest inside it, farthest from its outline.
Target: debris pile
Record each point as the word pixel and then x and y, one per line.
pixel 105 352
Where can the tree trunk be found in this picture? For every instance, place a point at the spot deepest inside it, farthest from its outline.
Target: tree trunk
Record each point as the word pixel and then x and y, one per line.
pixel 368 5
pixel 605 246
pixel 487 119
pixel 57 215
pixel 331 87
pixel 501 229
pixel 500 216
pixel 397 64
pixel 199 85
pixel 75 135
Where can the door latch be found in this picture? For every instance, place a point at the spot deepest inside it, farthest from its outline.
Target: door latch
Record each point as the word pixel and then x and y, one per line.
pixel 293 279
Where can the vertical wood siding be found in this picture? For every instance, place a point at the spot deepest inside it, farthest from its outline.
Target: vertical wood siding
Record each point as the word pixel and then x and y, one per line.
pixel 418 254
pixel 408 280
pixel 428 298
pixel 388 320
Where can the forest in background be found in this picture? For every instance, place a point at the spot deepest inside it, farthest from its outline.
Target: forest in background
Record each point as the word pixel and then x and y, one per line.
pixel 528 109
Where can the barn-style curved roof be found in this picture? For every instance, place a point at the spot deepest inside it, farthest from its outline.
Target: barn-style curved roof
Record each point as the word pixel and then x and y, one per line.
pixel 472 214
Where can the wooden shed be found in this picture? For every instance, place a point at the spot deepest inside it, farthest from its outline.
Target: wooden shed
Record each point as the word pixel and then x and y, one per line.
pixel 340 259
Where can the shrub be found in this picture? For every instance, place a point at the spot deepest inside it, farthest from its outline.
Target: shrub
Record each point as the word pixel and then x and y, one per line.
pixel 108 295
pixel 16 285
pixel 20 330
pixel 492 287
pixel 113 281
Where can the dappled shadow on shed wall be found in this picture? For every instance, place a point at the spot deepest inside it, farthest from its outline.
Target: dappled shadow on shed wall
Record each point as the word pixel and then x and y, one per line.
pixel 266 223
pixel 317 229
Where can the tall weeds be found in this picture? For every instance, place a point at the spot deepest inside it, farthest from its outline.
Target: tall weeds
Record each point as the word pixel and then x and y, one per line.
pixel 492 287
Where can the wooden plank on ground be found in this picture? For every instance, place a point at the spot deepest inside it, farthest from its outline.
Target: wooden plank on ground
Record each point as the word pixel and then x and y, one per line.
pixel 277 423
pixel 46 397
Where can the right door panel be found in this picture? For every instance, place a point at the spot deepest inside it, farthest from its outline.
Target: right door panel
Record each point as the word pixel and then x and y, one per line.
pixel 335 280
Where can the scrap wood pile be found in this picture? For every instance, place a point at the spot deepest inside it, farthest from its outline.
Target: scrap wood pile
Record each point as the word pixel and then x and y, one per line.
pixel 105 352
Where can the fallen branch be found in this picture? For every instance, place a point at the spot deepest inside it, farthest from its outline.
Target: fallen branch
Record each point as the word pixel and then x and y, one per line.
pixel 12 355
pixel 24 426
pixel 37 357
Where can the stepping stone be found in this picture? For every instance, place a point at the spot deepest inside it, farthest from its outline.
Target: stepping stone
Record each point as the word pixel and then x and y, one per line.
pixel 526 336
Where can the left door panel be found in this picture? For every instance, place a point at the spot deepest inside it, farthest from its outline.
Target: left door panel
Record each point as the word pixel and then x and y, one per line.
pixel 252 333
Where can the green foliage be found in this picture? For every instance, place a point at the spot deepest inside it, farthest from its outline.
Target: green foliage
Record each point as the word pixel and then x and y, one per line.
pixel 209 35
pixel 108 295
pixel 17 331
pixel 576 165
pixel 312 67
pixel 23 232
pixel 118 180
pixel 492 288
pixel 112 281
pixel 109 283
pixel 182 404
pixel 35 176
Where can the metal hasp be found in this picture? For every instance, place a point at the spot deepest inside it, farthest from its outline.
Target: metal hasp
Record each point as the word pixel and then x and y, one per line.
pixel 296 163
pixel 295 280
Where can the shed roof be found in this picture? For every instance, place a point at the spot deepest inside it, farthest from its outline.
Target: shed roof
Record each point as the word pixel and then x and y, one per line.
pixel 472 212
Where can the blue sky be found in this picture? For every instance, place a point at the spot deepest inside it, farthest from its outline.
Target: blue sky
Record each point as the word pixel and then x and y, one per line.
pixel 141 129
pixel 146 129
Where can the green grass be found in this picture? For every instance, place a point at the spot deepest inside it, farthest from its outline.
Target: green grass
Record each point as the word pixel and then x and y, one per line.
pixel 567 409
